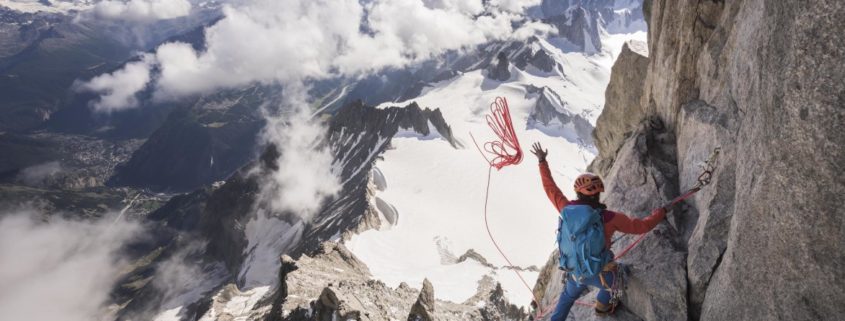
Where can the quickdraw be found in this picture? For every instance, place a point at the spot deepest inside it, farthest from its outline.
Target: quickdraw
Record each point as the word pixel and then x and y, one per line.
pixel 708 167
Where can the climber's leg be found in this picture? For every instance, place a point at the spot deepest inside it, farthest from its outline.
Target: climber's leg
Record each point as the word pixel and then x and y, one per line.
pixel 603 299
pixel 571 291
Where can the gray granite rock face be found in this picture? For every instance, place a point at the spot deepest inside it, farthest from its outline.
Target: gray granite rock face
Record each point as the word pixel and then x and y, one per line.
pixel 622 110
pixel 762 81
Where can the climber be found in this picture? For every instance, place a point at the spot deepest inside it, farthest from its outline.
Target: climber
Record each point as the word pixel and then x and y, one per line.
pixel 578 226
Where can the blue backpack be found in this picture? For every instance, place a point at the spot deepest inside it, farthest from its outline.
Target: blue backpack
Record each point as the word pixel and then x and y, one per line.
pixel 580 238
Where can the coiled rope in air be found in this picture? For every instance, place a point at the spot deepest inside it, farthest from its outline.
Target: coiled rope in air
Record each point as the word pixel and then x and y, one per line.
pixel 506 151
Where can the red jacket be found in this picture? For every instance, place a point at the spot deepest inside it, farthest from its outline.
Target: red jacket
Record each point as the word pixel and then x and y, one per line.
pixel 613 221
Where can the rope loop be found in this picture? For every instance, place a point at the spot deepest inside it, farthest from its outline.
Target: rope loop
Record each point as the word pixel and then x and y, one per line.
pixel 506 149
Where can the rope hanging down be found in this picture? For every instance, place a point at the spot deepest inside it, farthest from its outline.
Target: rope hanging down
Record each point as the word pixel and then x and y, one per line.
pixel 506 152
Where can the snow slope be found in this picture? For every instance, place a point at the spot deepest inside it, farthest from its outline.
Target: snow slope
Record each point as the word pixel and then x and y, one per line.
pixel 438 191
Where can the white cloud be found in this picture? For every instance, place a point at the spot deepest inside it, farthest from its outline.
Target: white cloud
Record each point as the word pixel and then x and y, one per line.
pixel 515 5
pixel 407 31
pixel 183 278
pixel 533 28
pixel 305 176
pixel 37 174
pixel 118 90
pixel 282 41
pixel 462 6
pixel 290 42
pixel 142 10
pixel 266 41
pixel 60 269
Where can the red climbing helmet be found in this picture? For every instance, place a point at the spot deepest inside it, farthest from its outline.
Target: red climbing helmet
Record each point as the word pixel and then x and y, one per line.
pixel 589 184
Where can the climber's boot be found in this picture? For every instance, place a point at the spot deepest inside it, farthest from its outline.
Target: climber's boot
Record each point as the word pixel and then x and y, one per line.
pixel 603 310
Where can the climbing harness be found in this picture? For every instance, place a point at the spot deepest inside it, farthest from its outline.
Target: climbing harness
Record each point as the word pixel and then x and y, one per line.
pixel 613 288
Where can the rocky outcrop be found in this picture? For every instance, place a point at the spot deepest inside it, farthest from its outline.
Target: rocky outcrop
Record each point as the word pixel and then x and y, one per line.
pixel 499 71
pixel 471 254
pixel 580 26
pixel 333 284
pixel 761 81
pixel 423 309
pixel 551 115
pixel 622 103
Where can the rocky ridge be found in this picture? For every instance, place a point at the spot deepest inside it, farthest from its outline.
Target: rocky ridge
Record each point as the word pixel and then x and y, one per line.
pixel 217 216
pixel 332 284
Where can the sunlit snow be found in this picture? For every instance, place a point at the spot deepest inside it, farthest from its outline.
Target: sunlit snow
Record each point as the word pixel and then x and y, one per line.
pixel 438 191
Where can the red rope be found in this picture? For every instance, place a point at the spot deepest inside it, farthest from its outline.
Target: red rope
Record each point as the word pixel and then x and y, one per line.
pixel 493 239
pixel 506 150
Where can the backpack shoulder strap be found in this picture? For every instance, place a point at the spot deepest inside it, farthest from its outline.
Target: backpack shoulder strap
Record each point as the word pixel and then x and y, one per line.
pixel 606 216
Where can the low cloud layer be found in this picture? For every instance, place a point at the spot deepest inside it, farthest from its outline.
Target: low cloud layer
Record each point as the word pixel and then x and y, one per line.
pixel 284 41
pixel 59 269
pixel 142 10
pixel 184 277
pixel 515 5
pixel 305 174
pixel 118 90
pixel 37 175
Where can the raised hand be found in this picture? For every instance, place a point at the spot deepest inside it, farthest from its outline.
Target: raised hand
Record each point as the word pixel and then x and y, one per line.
pixel 538 151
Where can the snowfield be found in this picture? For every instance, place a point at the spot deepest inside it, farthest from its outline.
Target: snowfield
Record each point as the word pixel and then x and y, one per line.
pixel 438 191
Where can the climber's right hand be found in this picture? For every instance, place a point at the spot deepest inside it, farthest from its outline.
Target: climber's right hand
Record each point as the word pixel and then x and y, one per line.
pixel 538 151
